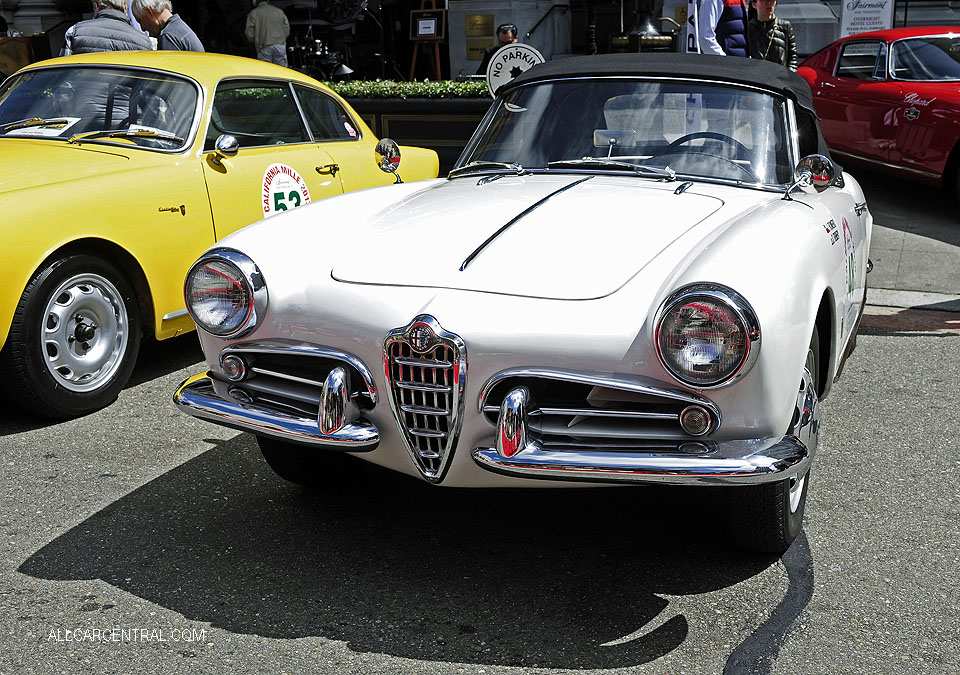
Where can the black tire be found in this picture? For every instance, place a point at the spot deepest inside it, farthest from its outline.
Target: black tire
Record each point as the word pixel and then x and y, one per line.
pixel 74 339
pixel 306 466
pixel 769 517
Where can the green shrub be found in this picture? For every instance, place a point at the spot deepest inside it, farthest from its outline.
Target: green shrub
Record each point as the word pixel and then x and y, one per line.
pixel 424 89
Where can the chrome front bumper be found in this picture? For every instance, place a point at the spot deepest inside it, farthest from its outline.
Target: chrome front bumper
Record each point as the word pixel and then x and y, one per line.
pixel 703 463
pixel 199 396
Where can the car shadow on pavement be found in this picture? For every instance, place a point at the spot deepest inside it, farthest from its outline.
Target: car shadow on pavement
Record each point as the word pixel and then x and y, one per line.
pixel 156 359
pixel 391 565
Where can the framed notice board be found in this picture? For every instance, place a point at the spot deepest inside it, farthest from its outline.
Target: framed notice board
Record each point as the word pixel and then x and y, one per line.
pixel 428 24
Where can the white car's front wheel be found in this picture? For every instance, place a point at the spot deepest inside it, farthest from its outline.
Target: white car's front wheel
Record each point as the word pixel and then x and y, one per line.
pixel 769 517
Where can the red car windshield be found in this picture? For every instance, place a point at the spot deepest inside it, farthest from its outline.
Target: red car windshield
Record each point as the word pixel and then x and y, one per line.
pixel 926 59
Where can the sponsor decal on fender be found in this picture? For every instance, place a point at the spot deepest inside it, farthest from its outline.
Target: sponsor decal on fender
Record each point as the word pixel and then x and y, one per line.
pixel 831 228
pixel 914 99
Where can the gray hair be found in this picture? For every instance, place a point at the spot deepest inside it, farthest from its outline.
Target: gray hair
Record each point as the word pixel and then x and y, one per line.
pixel 119 5
pixel 157 6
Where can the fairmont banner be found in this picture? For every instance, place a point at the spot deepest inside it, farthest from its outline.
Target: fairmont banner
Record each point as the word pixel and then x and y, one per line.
pixel 860 16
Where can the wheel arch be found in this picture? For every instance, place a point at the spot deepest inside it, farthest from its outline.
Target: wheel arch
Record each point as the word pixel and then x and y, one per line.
pixel 950 179
pixel 825 323
pixel 124 260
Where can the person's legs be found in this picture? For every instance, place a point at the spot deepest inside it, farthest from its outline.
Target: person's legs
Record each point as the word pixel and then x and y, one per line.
pixel 274 54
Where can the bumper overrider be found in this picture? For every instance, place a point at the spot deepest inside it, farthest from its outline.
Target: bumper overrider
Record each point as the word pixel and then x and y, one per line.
pixel 520 452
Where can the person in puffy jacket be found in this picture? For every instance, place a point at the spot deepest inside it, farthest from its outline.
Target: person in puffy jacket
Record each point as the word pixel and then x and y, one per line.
pixel 722 27
pixel 772 38
pixel 108 31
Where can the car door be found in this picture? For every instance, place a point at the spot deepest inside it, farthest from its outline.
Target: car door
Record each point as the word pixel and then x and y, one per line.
pixel 278 166
pixel 856 103
pixel 340 135
pixel 926 113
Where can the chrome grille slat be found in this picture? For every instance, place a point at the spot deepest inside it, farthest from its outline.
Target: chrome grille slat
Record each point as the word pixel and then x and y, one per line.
pixel 287 376
pixel 424 410
pixel 422 387
pixel 296 392
pixel 427 433
pixel 597 412
pixel 424 363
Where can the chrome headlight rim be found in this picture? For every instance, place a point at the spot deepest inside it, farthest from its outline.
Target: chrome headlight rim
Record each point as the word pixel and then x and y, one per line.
pixel 742 309
pixel 250 275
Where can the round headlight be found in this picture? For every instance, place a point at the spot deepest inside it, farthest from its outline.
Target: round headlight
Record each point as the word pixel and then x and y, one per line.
pixel 705 335
pixel 221 293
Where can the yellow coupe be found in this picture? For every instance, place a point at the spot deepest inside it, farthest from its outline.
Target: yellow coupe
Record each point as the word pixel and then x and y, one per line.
pixel 117 170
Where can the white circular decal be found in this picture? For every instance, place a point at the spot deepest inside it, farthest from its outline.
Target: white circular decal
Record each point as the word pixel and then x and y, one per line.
pixel 509 62
pixel 283 189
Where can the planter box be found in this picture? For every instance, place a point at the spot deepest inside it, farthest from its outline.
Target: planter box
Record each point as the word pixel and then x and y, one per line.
pixel 441 124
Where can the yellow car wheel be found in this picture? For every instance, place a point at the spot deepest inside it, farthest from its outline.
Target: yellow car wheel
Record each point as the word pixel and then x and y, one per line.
pixel 74 338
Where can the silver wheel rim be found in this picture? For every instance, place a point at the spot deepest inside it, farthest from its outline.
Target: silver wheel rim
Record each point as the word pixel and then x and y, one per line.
pixel 797 482
pixel 796 490
pixel 85 332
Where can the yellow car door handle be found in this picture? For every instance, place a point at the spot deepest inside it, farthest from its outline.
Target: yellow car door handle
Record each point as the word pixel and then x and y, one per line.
pixel 329 168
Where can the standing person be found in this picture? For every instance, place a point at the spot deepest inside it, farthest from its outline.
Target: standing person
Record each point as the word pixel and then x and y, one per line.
pixel 108 31
pixel 267 29
pixel 506 35
pixel 722 27
pixel 772 38
pixel 172 32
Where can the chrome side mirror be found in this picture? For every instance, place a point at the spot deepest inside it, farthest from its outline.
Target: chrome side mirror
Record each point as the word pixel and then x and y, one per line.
pixel 387 155
pixel 226 146
pixel 816 170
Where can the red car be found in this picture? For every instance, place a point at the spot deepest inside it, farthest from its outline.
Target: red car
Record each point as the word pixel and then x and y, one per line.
pixel 890 99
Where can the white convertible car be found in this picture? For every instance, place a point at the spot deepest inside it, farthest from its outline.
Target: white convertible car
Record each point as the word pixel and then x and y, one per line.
pixel 644 268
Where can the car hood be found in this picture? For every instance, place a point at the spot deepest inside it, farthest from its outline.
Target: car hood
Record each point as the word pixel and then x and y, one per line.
pixel 27 163
pixel 563 237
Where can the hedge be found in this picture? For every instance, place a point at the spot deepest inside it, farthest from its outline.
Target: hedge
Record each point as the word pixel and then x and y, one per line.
pixel 424 89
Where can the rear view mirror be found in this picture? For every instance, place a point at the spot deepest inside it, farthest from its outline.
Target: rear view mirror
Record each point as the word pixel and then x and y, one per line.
pixel 608 138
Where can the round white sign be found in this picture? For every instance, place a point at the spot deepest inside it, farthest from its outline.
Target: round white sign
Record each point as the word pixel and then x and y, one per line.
pixel 283 189
pixel 508 62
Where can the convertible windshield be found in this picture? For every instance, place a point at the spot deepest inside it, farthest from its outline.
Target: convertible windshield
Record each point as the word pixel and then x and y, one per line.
pixel 125 106
pixel 627 125
pixel 926 59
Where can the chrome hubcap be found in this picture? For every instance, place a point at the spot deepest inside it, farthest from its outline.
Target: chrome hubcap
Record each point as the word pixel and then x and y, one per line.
pixel 85 332
pixel 808 392
pixel 796 489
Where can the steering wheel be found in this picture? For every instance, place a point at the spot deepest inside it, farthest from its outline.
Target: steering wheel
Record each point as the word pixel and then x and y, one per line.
pixel 742 151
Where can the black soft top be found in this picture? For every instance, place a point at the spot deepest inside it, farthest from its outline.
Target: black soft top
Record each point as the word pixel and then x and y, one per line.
pixel 754 72
pixel 735 69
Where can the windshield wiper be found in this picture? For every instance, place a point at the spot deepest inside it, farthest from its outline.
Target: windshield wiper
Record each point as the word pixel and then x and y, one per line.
pixel 126 133
pixel 35 122
pixel 603 163
pixel 515 167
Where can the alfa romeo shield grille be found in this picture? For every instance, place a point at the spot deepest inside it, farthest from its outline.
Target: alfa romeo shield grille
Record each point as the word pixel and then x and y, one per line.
pixel 426 369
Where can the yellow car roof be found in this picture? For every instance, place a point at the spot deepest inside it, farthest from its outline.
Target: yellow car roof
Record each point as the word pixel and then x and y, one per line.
pixel 205 67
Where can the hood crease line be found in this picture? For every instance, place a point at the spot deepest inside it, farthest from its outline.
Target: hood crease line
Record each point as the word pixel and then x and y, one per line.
pixel 469 259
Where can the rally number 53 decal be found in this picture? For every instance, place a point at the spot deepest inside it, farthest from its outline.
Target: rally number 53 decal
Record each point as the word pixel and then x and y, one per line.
pixel 283 189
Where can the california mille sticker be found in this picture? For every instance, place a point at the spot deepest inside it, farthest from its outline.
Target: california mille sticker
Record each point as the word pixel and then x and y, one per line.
pixel 283 189
pixel 831 228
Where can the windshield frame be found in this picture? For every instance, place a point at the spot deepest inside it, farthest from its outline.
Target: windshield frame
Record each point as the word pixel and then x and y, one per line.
pixel 189 138
pixel 789 121
pixel 894 45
